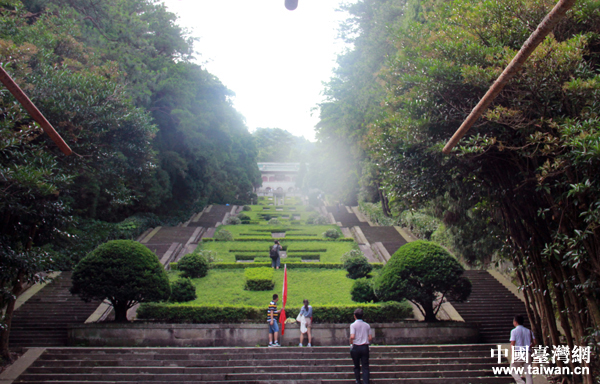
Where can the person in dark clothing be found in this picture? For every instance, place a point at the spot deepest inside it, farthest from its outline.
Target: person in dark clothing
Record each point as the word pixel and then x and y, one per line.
pixel 275 254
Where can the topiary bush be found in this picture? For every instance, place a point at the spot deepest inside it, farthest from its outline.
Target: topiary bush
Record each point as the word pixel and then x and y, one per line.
pixel 193 265
pixel 232 220
pixel 123 271
pixel 209 255
pixel 243 217
pixel 224 235
pixel 259 279
pixel 274 221
pixel 183 290
pixel 356 264
pixel 331 234
pixel 424 273
pixel 362 291
pixel 246 208
pixel 321 220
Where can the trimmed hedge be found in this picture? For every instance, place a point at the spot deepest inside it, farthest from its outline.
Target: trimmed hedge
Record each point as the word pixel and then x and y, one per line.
pixel 259 279
pixel 388 312
pixel 174 266
pixel 303 256
pixel 246 257
pixel 286 260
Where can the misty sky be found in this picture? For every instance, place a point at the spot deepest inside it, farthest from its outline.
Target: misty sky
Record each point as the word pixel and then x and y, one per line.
pixel 275 60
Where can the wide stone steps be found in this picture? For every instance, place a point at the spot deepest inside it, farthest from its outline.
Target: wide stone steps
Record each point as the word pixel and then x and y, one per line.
pixel 406 364
pixel 491 306
pixel 44 319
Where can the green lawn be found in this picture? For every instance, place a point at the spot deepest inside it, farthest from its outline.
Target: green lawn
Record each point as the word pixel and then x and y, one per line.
pixel 320 287
pixel 329 251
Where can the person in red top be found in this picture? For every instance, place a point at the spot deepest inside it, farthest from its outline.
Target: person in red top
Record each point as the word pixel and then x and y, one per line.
pixel 360 338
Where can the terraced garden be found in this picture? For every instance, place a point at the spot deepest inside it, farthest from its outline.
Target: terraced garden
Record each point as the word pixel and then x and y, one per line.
pixel 314 270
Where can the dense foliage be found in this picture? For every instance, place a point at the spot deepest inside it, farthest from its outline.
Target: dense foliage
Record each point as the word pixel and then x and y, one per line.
pixel 425 274
pixel 362 291
pixel 356 264
pixel 124 272
pixel 523 184
pixel 193 265
pixel 275 145
pixel 183 290
pixel 151 131
pixel 259 279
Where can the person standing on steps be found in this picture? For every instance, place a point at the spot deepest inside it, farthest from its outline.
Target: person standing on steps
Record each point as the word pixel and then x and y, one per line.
pixel 522 341
pixel 307 312
pixel 272 317
pixel 360 338
pixel 275 254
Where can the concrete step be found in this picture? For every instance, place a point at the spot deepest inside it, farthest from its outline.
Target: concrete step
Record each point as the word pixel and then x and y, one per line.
pixel 405 364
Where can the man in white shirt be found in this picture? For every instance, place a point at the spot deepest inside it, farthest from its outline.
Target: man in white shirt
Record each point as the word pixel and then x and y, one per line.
pixel 521 341
pixel 360 338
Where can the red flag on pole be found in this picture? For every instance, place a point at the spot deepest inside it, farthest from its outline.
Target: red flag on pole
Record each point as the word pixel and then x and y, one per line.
pixel 283 299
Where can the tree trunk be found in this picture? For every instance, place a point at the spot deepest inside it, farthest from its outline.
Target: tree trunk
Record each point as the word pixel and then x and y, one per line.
pixel 10 309
pixel 429 312
pixel 121 311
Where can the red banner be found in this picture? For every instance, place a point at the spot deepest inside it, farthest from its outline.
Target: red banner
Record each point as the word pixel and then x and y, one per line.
pixel 283 300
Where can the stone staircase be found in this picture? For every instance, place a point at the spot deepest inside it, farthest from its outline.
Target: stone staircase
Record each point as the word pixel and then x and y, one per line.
pixel 449 364
pixel 389 237
pixel 44 319
pixel 345 218
pixel 492 307
pixel 211 216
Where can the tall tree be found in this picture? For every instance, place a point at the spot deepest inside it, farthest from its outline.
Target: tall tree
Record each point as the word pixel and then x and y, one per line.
pixel 353 95
pixel 531 164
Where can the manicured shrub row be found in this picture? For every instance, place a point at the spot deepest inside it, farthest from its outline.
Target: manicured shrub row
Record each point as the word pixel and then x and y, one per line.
pixel 184 313
pixel 309 250
pixel 287 260
pixel 174 266
pixel 303 256
pixel 259 279
pixel 248 257
pixel 345 239
pixel 289 265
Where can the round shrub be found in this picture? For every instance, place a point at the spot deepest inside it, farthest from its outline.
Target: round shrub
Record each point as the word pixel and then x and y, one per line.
pixel 331 234
pixel 424 273
pixel 356 264
pixel 123 271
pixel 232 220
pixel 246 208
pixel 183 290
pixel 321 220
pixel 224 235
pixel 193 265
pixel 243 217
pixel 274 221
pixel 209 255
pixel 362 291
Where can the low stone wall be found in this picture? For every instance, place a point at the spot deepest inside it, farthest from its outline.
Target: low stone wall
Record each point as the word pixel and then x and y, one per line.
pixel 251 335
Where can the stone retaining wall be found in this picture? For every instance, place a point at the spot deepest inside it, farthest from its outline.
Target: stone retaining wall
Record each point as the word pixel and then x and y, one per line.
pixel 251 335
